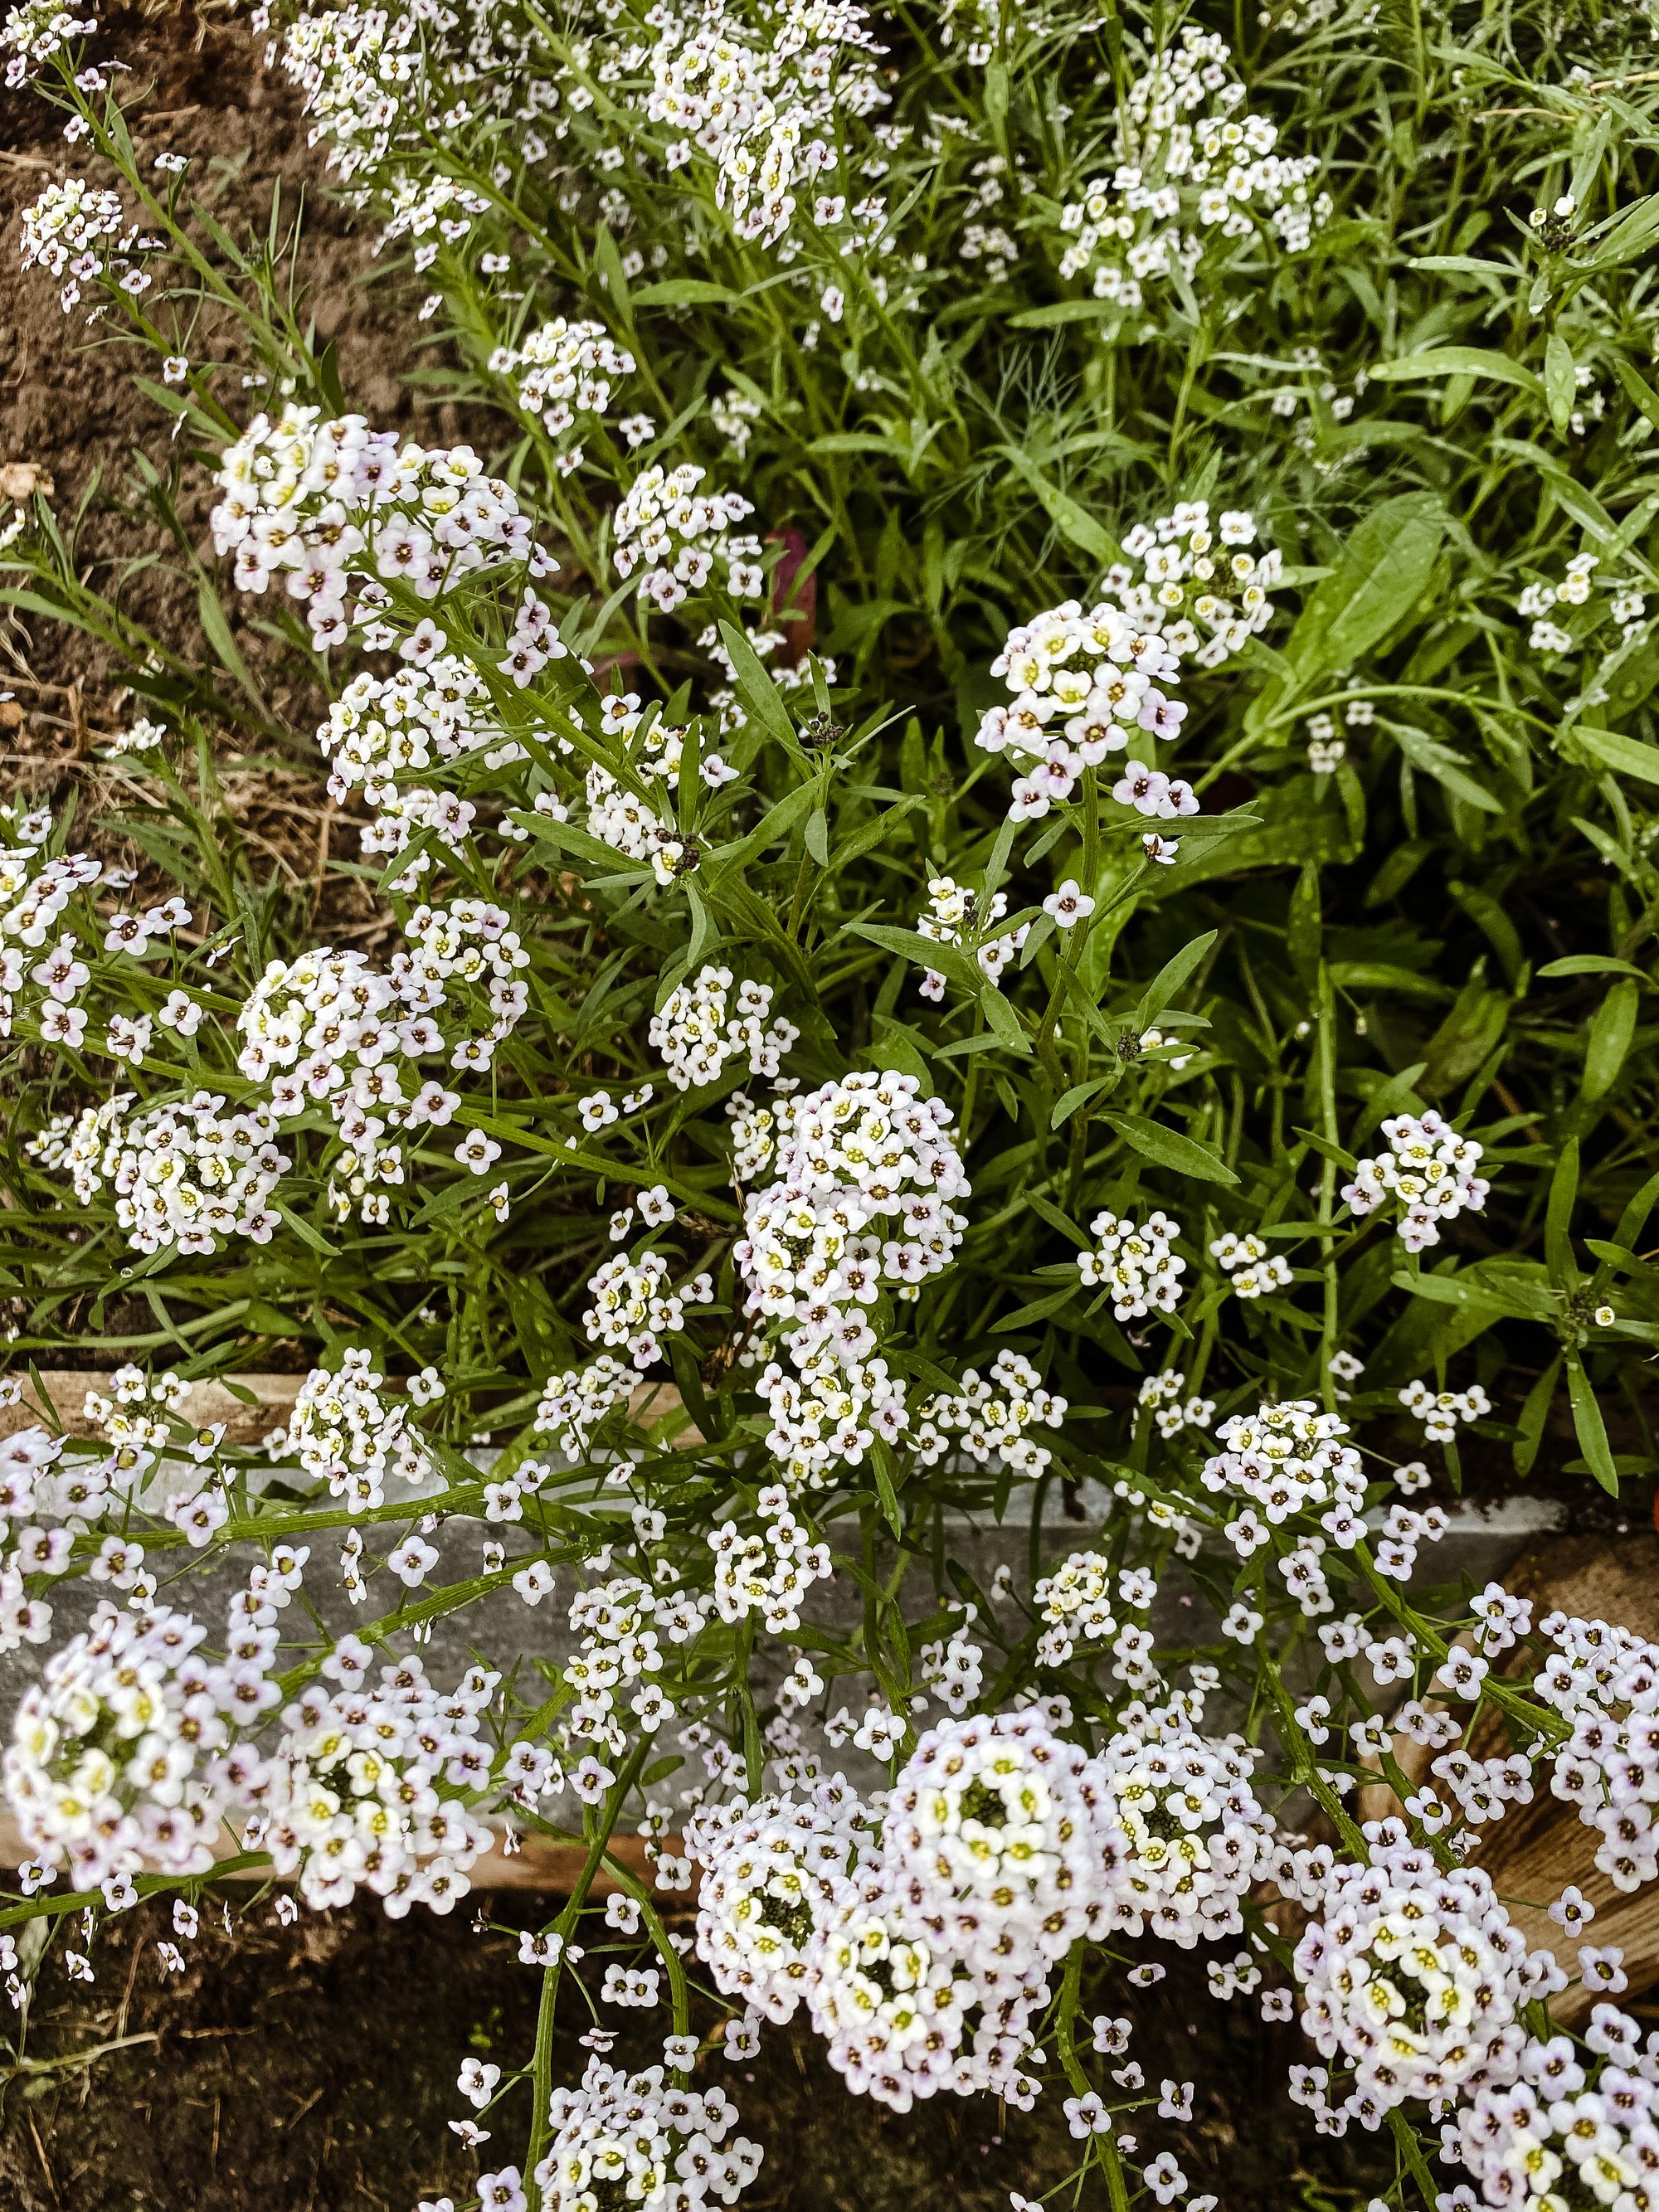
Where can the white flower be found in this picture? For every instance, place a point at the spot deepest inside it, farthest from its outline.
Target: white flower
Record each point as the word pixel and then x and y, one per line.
pixel 115 1759
pixel 697 1030
pixel 1135 1263
pixel 1428 1170
pixel 631 2133
pixel 1416 1978
pixel 1193 1832
pixel 769 1869
pixel 1068 905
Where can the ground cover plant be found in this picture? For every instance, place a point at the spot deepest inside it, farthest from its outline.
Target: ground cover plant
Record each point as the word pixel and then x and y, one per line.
pixel 973 1005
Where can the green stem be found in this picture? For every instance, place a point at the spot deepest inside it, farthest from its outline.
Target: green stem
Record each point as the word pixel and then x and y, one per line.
pixel 541 2069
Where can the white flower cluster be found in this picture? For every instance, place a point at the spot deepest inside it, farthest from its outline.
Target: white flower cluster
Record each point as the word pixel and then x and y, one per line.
pixel 328 1029
pixel 383 730
pixel 574 1403
pixel 958 915
pixel 621 2140
pixel 184 1175
pixel 1539 601
pixel 865 1171
pixel 323 1018
pixel 634 1305
pixel 469 941
pixel 1440 1411
pixel 1075 1600
pixel 1083 684
pixel 1195 1837
pixel 753 1132
pixel 345 1430
pixel 953 1668
pixel 771 1872
pixel 1429 1168
pixel 1551 2141
pixel 33 32
pixel 29 1492
pixel 115 1762
pixel 628 822
pixel 323 503
pixel 564 371
pixel 1606 1682
pixel 673 534
pixel 992 1417
pixel 1192 583
pixel 1136 1262
pixel 374 78
pixel 35 891
pixel 1287 1459
pixel 761 92
pixel 769 1571
pixel 1415 1978
pixel 366 1787
pixel 1251 1270
pixel 622 1624
pixel 1170 1411
pixel 697 1030
pixel 930 1972
pixel 1194 177
pixel 78 232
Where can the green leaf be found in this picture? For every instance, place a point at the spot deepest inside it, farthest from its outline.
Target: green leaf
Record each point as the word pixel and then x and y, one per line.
pixel 1444 765
pixel 608 261
pixel 308 1234
pixel 756 687
pixel 949 960
pixel 1046 1208
pixel 885 1492
pixel 818 837
pixel 1168 980
pixel 1305 925
pixel 1068 1102
pixel 1634 1219
pixel 216 630
pixel 851 441
pixel 1459 361
pixel 1589 964
pixel 1039 1309
pixel 1057 312
pixel 685 291
pixel 1074 522
pixel 1609 1039
pixel 1626 755
pixel 1002 1021
pixel 1631 236
pixel 1169 1148
pixel 1384 570
pixel 1529 1428
pixel 1560 380
pixel 1588 1425
pixel 1558 1217
pixel 778 821
pixel 1641 394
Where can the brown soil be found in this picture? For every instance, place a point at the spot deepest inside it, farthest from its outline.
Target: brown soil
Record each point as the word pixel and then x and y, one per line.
pixel 67 403
pixel 69 410
pixel 313 2069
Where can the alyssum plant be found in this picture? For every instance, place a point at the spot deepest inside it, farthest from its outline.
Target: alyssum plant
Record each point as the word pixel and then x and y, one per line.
pixel 926 798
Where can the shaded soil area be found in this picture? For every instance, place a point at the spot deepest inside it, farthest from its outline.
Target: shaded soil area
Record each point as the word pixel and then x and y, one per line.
pixel 68 405
pixel 75 426
pixel 312 2068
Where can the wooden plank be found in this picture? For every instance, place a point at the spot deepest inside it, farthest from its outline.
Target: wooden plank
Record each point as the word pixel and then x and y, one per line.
pixel 60 1403
pixel 1536 1850
pixel 540 1863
